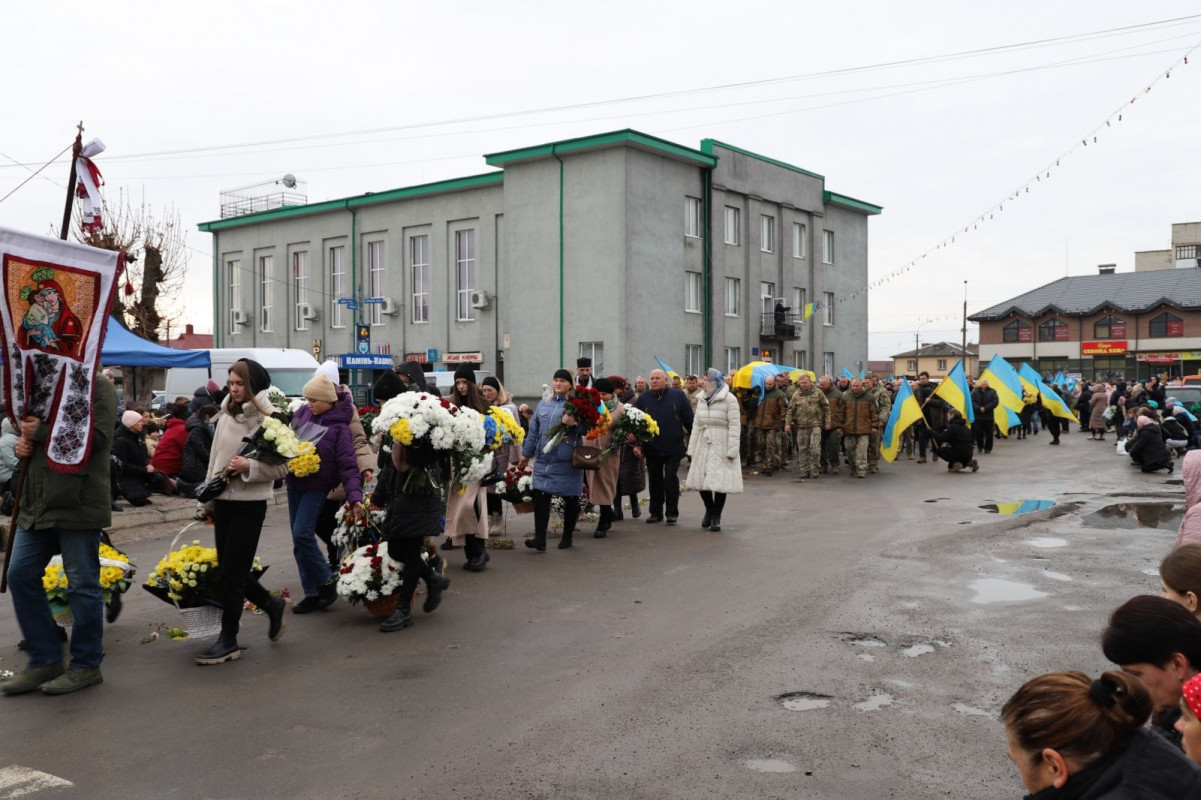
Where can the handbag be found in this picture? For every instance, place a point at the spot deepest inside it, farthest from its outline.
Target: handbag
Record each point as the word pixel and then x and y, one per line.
pixel 212 489
pixel 585 457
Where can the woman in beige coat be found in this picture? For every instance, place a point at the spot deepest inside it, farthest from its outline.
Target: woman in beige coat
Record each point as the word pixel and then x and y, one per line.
pixel 602 484
pixel 715 470
pixel 467 512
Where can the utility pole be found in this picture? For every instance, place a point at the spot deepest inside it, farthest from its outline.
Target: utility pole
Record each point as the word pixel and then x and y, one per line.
pixel 964 331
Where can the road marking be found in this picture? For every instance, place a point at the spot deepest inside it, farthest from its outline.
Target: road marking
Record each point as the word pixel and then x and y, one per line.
pixel 20 781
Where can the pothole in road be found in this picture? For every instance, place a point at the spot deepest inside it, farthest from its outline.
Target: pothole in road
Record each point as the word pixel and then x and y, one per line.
pixel 875 702
pixel 936 499
pixel 776 765
pixel 804 701
pixel 1136 515
pixel 916 650
pixel 998 590
pixel 1018 506
pixel 863 640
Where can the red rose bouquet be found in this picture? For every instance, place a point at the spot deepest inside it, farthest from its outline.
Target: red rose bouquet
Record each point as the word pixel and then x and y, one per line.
pixel 591 416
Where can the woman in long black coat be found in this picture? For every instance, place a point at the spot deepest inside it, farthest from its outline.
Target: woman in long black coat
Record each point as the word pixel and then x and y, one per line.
pixel 631 475
pixel 1148 450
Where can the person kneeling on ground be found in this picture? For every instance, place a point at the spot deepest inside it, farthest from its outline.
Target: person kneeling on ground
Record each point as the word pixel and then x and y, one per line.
pixel 1148 450
pixel 138 477
pixel 955 443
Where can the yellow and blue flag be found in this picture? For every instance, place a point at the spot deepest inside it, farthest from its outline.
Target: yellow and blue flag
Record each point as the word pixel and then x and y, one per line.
pixel 905 412
pixel 1051 400
pixel 954 390
pixel 1002 377
pixel 846 373
pixel 671 373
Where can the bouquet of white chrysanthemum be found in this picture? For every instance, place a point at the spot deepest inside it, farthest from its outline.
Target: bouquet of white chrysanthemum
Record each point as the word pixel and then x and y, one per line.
pixel 423 422
pixel 352 532
pixel 369 574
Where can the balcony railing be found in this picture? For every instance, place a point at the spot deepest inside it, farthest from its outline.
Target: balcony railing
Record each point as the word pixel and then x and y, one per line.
pixel 777 325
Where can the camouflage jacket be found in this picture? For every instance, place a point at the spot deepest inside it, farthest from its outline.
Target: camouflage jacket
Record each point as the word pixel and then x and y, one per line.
pixel 808 409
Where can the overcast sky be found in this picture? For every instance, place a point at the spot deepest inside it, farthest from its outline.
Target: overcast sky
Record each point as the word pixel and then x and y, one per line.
pixel 935 143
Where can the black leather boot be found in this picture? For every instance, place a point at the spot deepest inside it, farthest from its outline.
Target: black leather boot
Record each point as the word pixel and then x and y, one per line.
pixel 434 586
pixel 635 511
pixel 401 618
pixel 605 522
pixel 223 650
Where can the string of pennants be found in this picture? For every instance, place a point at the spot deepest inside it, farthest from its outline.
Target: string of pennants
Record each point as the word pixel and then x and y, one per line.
pixel 1092 137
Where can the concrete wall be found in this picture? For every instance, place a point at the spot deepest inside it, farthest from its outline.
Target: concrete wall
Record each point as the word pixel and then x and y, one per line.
pixel 1148 260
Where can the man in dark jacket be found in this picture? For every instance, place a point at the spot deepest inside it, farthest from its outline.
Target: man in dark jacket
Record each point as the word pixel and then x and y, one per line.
pixel 933 409
pixel 769 425
pixel 62 513
pixel 668 407
pixel 831 436
pixel 984 402
pixel 955 444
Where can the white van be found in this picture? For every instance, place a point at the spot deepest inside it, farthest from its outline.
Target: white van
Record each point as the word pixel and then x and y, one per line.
pixel 290 369
pixel 445 379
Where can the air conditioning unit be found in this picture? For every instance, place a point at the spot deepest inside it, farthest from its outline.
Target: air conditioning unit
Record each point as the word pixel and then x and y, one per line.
pixel 390 307
pixel 239 316
pixel 308 311
pixel 480 299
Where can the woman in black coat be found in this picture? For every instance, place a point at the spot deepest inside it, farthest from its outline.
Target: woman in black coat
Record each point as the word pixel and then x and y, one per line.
pixel 197 446
pixel 1148 450
pixel 137 476
pixel 955 444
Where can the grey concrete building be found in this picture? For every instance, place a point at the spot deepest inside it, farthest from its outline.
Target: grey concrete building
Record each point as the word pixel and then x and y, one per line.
pixel 620 246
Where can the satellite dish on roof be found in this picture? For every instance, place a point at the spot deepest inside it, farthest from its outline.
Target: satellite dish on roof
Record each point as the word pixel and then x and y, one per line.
pixel 289 180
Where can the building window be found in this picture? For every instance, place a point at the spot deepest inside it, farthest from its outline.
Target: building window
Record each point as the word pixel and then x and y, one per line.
pixel 692 217
pixel 419 267
pixel 300 289
pixel 234 268
pixel 767 295
pixel 733 225
pixel 1016 331
pixel 1109 328
pixel 337 285
pixel 799 298
pixel 375 279
pixel 799 359
pixel 692 359
pixel 911 365
pixel 733 297
pixel 465 259
pixel 767 233
pixel 828 308
pixel 827 363
pixel 595 351
pixel 828 247
pixel 1165 325
pixel 266 283
pixel 942 365
pixel 1053 330
pixel 1186 251
pixel 800 240
pixel 692 292
pixel 733 359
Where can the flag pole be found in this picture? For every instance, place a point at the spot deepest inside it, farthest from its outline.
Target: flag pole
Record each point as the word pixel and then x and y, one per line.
pixel 62 234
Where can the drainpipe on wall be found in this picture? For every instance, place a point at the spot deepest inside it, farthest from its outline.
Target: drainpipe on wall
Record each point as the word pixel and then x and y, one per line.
pixel 708 279
pixel 216 296
pixel 556 157
pixel 354 287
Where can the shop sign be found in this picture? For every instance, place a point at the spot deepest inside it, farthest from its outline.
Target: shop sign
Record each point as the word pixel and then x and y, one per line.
pixel 464 358
pixel 1103 348
pixel 366 361
pixel 1025 334
pixel 418 358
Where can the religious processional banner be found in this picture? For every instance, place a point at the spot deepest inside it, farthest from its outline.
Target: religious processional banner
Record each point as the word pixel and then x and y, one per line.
pixel 54 311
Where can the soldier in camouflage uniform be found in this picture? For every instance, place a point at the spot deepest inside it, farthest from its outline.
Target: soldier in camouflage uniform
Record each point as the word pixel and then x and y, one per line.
pixel 883 401
pixel 807 416
pixel 857 418
pixel 788 389
pixel 832 437
pixel 769 422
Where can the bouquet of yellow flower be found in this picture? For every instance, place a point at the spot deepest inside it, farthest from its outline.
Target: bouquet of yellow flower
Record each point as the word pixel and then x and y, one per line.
pixel 188 577
pixel 116 572
pixel 632 422
pixel 501 429
pixel 307 463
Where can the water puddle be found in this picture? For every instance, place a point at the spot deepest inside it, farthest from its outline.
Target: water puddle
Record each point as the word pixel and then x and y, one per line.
pixel 1151 571
pixel 804 701
pixel 997 590
pixel 1047 542
pixel 776 765
pixel 863 640
pixel 970 711
pixel 1136 515
pixel 917 650
pixel 1018 506
pixel 1056 576
pixel 875 702
pixel 936 499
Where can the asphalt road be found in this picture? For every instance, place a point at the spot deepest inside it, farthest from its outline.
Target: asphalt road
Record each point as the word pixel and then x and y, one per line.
pixel 646 665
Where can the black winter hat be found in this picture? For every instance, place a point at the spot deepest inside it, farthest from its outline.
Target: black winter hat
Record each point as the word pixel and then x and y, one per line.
pixel 603 385
pixel 564 374
pixel 466 373
pixel 490 381
pixel 583 361
pixel 388 386
pixel 260 379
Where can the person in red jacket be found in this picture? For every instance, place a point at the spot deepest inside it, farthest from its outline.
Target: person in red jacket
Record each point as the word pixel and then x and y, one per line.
pixel 168 456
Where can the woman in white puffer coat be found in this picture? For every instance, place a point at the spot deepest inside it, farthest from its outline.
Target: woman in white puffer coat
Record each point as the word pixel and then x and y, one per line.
pixel 715 470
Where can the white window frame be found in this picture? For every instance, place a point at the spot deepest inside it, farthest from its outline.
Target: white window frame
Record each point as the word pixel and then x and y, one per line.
pixel 911 365
pixel 692 292
pixel 266 292
pixel 337 284
pixel 799 359
pixel 800 240
pixel 465 273
pixel 692 217
pixel 595 351
pixel 767 297
pixel 733 359
pixel 827 247
pixel 300 287
pixel 234 265
pixel 828 308
pixel 942 365
pixel 827 363
pixel 799 297
pixel 419 277
pixel 692 359
pixel 733 233
pixel 767 233
pixel 733 297
pixel 376 272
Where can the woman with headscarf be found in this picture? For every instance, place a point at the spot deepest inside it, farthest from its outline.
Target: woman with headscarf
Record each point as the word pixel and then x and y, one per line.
pixel 1148 450
pixel 554 476
pixel 466 510
pixel 602 484
pixel 495 395
pixel 239 511
pixel 714 466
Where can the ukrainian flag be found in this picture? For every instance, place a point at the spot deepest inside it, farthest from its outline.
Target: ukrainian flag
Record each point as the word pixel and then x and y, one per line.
pixel 671 373
pixel 954 390
pixel 905 412
pixel 1008 386
pixel 1051 401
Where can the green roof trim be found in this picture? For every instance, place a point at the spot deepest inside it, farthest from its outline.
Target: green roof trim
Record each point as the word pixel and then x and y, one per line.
pixel 627 136
pixel 707 146
pixel 843 200
pixel 356 201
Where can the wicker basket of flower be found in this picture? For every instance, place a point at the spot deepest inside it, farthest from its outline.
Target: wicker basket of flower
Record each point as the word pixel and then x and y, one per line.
pixel 371 577
pixel 116 573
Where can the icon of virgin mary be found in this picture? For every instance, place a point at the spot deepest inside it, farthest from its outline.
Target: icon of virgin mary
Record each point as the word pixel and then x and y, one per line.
pixel 48 324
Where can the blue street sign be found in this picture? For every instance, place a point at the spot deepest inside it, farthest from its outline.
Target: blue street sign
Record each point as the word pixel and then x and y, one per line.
pixel 352 305
pixel 346 301
pixel 365 361
pixel 373 301
pixel 431 355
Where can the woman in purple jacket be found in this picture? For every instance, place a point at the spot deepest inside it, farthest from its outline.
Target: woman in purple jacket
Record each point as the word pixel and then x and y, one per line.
pixel 331 408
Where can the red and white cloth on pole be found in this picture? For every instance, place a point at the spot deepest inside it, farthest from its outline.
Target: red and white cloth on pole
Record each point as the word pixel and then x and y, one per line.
pixel 53 316
pixel 89 181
